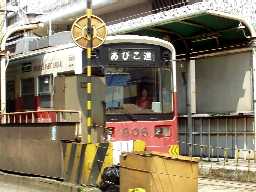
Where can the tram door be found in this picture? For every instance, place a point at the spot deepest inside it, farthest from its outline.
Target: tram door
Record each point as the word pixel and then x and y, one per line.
pixel 10 96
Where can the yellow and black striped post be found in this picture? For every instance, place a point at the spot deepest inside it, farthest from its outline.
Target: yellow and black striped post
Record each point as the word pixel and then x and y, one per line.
pixel 89 120
pixel 85 30
pixel 85 163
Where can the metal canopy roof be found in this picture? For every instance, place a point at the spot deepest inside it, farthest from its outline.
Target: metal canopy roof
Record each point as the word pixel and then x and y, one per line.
pixel 199 33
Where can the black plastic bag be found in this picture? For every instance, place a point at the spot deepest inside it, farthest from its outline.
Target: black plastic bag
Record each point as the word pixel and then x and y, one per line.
pixel 110 179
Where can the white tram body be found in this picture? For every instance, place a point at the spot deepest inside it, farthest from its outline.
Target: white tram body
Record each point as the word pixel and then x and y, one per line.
pixel 30 76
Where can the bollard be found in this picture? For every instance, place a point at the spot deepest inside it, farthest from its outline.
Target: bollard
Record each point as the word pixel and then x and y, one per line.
pixel 190 149
pixel 212 155
pixel 225 156
pixel 249 162
pixel 205 149
pixel 237 157
pixel 218 153
pixel 201 151
pixel 209 153
pixel 212 152
pixel 254 157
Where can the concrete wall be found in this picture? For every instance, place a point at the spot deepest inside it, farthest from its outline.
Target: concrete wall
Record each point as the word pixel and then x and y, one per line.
pixel 34 149
pixel 224 83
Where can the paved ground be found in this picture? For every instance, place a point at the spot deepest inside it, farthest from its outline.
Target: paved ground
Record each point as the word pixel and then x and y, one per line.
pixel 205 185
pixel 217 185
pixel 11 187
pixel 231 164
pixel 21 184
pixel 17 183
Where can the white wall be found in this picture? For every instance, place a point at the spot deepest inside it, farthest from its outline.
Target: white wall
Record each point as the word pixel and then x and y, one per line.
pixel 224 83
pixel 58 61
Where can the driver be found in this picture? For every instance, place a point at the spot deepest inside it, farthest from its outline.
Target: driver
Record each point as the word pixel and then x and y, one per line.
pixel 144 101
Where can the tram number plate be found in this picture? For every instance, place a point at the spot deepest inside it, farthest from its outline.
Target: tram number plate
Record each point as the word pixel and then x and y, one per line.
pixel 135 132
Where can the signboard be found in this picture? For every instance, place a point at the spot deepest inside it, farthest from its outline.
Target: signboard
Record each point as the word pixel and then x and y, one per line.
pixel 79 31
pixel 59 61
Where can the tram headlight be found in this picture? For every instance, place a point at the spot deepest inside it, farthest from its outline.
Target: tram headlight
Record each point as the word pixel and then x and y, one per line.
pixel 163 131
pixel 109 132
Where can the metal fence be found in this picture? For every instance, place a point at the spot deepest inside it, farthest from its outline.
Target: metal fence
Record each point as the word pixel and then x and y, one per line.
pixel 224 144
pixel 227 132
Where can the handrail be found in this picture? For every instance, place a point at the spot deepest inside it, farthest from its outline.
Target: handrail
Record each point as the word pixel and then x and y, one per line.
pixel 51 110
pixel 42 116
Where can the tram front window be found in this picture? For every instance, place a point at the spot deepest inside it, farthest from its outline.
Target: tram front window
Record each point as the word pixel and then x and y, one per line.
pixel 138 91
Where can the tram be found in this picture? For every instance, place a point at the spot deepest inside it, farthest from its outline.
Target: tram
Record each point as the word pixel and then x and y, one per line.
pixel 139 87
pixel 141 90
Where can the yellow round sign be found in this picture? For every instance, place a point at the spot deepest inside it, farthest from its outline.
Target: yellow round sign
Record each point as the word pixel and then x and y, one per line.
pixel 79 31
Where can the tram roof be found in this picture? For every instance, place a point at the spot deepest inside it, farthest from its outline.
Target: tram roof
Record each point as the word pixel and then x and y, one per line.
pixel 197 33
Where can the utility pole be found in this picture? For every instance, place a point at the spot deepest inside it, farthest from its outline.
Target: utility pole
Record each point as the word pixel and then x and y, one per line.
pixel 89 121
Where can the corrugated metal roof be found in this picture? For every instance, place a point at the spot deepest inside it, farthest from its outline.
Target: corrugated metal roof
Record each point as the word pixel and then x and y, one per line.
pixel 239 8
pixel 196 28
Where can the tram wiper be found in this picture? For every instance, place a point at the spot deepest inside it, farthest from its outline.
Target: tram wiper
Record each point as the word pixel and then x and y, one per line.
pixel 130 117
pixel 127 114
pixel 128 111
pixel 122 112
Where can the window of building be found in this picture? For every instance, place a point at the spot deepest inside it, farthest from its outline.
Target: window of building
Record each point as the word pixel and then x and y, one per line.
pixel 45 90
pixel 10 96
pixel 11 20
pixel 14 2
pixel 28 92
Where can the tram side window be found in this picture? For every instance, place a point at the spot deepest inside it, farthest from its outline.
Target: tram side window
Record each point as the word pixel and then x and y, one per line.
pixel 10 96
pixel 44 90
pixel 28 92
pixel 167 90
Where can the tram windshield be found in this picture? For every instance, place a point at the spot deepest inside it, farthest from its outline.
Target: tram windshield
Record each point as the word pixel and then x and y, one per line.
pixel 145 90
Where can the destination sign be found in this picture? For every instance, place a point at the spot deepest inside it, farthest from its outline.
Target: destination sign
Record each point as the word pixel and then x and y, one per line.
pixel 131 55
pixel 128 55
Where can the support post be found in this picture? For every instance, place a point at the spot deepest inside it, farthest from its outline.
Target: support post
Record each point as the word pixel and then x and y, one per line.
pixel 3 65
pixel 89 120
pixel 253 46
pixel 3 84
pixel 191 99
pixel 50 28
